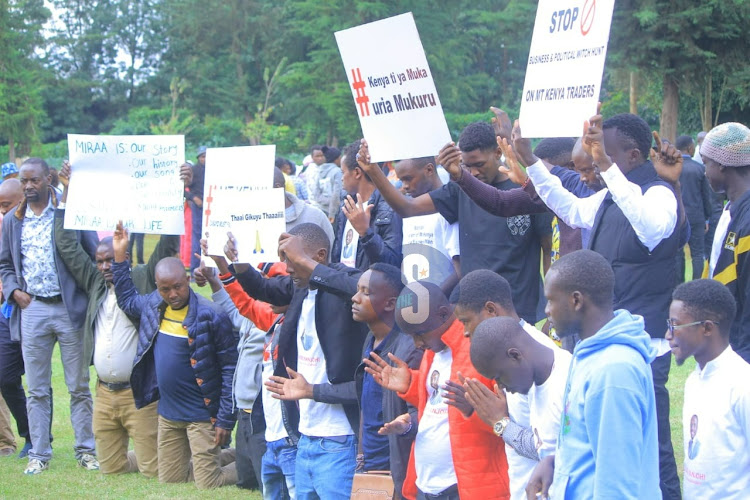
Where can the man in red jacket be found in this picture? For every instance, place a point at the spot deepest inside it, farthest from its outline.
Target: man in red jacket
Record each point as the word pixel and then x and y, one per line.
pixel 455 454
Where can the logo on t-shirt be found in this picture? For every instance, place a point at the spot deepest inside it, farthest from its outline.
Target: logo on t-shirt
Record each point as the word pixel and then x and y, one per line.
pixel 519 224
pixel 307 341
pixel 731 241
pixel 694 444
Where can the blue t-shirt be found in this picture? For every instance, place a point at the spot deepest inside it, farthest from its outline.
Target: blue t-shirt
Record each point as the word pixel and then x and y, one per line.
pixel 374 446
pixel 181 398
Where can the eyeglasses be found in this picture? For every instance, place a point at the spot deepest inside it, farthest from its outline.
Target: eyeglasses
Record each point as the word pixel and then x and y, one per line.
pixel 672 327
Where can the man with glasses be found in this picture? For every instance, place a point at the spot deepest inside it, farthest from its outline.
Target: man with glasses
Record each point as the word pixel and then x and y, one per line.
pixel 716 412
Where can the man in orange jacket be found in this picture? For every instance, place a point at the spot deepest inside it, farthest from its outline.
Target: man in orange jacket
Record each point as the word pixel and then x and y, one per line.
pixel 455 454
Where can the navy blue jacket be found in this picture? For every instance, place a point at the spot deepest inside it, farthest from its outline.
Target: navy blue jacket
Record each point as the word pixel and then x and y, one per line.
pixel 213 346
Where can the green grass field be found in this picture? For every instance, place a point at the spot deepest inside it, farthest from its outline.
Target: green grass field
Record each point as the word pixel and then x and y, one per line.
pixel 65 479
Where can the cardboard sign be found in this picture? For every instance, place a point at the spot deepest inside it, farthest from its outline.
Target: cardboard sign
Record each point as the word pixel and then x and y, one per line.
pixel 565 66
pixel 131 178
pixel 235 181
pixel 398 105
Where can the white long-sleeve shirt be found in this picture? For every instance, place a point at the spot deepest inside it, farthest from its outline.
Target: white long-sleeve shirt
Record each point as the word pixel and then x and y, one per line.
pixel 716 430
pixel 653 214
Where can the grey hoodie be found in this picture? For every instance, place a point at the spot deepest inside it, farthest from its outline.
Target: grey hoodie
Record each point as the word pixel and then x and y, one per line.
pixel 300 212
pixel 327 190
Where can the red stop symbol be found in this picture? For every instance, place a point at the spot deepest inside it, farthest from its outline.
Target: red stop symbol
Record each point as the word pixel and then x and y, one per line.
pixel 587 16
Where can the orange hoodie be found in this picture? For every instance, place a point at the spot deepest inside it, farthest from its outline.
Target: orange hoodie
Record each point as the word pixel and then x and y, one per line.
pixel 478 454
pixel 258 312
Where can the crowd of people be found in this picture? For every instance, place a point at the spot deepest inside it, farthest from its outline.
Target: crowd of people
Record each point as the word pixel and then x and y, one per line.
pixel 495 322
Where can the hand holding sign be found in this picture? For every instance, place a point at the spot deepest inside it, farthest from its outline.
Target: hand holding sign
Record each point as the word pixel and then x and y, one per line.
pixel 667 160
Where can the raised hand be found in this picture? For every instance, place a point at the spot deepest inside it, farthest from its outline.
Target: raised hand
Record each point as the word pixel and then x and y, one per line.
pixel 491 407
pixel 399 425
pixel 450 158
pixel 667 160
pixel 358 214
pixel 120 243
pixel 395 378
pixel 511 168
pixel 363 158
pixel 294 388
pixel 593 140
pixel 501 123
pixel 221 262
pixel 522 146
pixel 186 174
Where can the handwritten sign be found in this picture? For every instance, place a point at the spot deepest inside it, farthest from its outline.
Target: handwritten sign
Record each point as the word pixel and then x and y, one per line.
pixel 565 66
pixel 398 105
pixel 233 187
pixel 131 178
pixel 256 220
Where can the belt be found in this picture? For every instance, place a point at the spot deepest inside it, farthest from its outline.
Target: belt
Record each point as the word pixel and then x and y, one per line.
pixel 115 386
pixel 448 491
pixel 48 300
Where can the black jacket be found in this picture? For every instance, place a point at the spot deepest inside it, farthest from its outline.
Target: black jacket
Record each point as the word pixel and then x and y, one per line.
pixel 402 346
pixel 644 279
pixel 696 193
pixel 383 240
pixel 341 338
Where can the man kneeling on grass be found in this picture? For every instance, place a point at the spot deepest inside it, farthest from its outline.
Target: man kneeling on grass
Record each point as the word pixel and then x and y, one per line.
pixel 185 359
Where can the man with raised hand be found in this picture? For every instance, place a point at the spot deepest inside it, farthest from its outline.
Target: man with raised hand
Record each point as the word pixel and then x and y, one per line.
pixel 608 445
pixel 716 412
pixel 48 308
pixel 319 345
pixel 455 454
pixel 185 359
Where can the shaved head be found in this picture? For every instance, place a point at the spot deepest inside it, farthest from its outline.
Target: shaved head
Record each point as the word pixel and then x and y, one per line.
pixel 170 266
pixel 11 194
pixel 172 282
pixel 491 339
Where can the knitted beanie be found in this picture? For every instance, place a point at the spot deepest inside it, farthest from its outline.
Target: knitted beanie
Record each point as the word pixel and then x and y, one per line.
pixel 728 144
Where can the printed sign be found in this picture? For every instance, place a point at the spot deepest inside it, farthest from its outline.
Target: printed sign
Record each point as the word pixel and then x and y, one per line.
pixel 131 178
pixel 565 66
pixel 398 105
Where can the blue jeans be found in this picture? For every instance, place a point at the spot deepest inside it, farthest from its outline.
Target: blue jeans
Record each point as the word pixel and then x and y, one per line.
pixel 278 470
pixel 325 467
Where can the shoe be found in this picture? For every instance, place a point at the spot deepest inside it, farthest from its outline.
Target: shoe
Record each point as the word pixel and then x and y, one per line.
pixel 35 467
pixel 88 462
pixel 6 452
pixel 25 450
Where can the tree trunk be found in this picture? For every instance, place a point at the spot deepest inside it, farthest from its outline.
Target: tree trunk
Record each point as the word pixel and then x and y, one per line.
pixel 11 149
pixel 706 109
pixel 633 93
pixel 669 109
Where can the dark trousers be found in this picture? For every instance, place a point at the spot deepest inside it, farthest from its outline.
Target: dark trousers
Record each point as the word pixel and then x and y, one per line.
pixel 449 494
pixel 195 239
pixel 697 252
pixel 249 448
pixel 11 370
pixel 669 481
pixel 136 240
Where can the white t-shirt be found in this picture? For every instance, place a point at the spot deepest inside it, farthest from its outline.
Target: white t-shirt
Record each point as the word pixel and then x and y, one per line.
pixel 350 243
pixel 716 430
pixel 433 231
pixel 546 402
pixel 275 429
pixel 720 237
pixel 433 458
pixel 316 419
pixel 520 467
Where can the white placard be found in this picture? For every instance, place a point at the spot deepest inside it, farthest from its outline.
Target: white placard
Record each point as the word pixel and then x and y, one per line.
pixel 133 178
pixel 565 66
pixel 256 219
pixel 397 103
pixel 234 178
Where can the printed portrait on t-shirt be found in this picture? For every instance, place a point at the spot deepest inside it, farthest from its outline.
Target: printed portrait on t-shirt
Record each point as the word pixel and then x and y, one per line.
pixel 434 379
pixel 348 247
pixel 694 444
pixel 307 341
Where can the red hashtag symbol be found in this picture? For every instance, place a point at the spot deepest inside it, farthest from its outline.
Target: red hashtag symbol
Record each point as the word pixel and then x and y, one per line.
pixel 207 211
pixel 359 85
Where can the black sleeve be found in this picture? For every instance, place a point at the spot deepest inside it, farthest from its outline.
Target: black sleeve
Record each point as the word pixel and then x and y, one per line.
pixel 446 201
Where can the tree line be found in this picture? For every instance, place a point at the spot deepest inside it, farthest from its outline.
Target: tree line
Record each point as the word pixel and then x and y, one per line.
pixel 235 72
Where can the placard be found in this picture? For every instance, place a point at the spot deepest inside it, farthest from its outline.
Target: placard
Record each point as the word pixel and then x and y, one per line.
pixel 565 66
pixel 133 178
pixel 396 99
pixel 234 180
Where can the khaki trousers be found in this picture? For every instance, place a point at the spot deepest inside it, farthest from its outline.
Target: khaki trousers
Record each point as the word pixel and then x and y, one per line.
pixel 181 441
pixel 7 438
pixel 116 420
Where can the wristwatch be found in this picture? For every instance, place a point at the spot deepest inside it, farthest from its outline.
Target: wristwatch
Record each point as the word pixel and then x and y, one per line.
pixel 500 426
